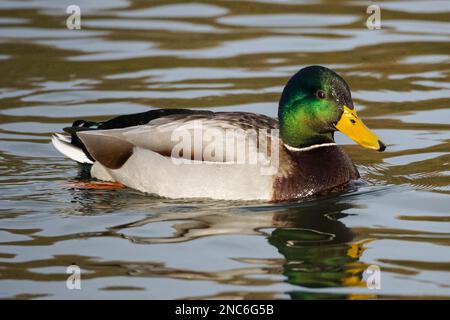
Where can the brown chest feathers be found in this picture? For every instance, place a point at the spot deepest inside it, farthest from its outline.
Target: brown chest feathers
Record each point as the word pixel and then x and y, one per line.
pixel 314 172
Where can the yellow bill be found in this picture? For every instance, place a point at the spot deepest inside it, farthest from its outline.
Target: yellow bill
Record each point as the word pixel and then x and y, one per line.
pixel 355 129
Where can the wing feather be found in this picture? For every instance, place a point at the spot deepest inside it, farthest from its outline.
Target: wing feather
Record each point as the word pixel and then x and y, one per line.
pixel 216 137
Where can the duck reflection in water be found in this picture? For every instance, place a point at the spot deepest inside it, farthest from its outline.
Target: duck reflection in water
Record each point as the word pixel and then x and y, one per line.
pixel 318 250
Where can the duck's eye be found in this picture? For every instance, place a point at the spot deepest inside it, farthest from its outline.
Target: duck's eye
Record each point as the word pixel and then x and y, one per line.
pixel 320 94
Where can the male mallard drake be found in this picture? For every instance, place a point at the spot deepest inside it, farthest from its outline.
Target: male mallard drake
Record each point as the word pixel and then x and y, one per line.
pixel 181 153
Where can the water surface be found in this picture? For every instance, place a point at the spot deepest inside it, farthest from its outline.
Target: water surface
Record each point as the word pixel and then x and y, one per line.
pixel 131 56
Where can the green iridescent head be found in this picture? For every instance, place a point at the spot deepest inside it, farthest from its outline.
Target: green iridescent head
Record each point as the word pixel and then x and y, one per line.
pixel 315 103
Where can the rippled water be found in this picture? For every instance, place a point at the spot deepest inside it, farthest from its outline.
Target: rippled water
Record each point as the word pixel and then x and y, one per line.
pixel 130 56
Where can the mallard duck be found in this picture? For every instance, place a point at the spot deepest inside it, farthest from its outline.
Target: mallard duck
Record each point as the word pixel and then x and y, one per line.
pixel 230 155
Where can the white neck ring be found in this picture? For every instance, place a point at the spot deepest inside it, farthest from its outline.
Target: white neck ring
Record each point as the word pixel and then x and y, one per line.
pixel 314 146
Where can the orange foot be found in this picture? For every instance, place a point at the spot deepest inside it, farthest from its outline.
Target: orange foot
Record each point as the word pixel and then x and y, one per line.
pixel 94 185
